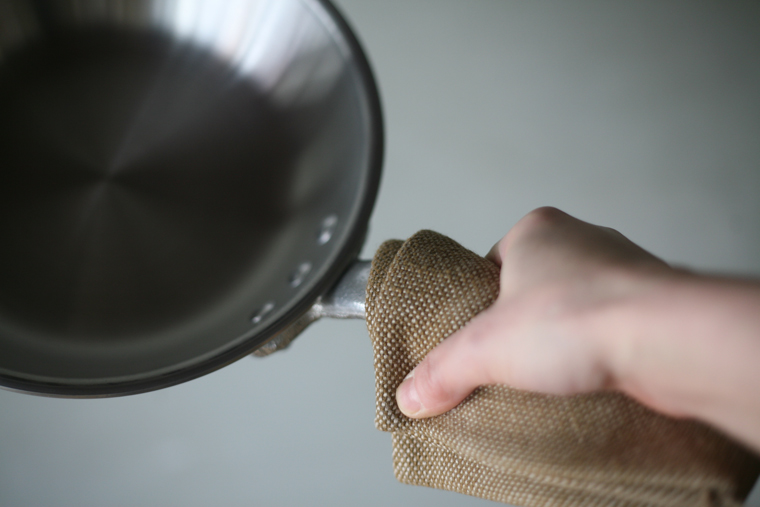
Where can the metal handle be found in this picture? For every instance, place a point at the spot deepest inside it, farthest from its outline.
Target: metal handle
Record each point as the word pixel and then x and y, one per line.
pixel 344 301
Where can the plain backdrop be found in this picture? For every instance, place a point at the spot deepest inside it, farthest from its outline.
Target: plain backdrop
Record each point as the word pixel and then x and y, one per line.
pixel 643 116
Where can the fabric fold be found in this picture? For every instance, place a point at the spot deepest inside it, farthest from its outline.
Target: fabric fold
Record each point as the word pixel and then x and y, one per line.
pixel 518 447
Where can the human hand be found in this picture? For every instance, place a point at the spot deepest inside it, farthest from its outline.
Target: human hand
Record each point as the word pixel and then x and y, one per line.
pixel 557 273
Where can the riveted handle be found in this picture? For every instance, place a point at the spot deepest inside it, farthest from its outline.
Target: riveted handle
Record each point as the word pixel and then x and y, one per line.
pixel 346 300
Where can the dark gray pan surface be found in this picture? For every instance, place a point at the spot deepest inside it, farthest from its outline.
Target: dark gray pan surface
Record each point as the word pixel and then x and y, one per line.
pixel 164 176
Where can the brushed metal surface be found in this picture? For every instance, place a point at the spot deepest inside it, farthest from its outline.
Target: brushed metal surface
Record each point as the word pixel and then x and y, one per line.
pixel 346 300
pixel 166 168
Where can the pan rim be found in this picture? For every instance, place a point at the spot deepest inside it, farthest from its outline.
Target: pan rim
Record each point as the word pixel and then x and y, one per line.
pixel 255 338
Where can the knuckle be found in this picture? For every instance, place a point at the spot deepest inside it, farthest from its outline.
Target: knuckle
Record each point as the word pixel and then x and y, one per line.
pixel 536 220
pixel 449 373
pixel 429 382
pixel 478 334
pixel 612 232
pixel 544 215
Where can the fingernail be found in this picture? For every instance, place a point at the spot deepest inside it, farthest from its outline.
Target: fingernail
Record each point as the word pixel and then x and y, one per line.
pixel 407 398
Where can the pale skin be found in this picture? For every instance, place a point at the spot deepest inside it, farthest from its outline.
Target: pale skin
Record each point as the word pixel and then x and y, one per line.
pixel 581 308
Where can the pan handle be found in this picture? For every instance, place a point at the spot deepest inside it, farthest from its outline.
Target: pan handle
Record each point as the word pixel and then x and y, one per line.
pixel 346 300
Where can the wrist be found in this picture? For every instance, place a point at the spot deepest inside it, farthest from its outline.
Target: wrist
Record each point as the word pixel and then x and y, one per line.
pixel 636 331
pixel 687 345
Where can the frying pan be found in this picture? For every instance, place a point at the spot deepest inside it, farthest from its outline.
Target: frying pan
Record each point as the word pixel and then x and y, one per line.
pixel 181 183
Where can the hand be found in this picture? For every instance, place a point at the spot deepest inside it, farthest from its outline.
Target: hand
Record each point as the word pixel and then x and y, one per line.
pixel 581 308
pixel 556 272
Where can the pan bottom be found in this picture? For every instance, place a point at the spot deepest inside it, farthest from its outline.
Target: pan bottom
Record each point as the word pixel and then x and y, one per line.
pixel 140 178
pixel 178 183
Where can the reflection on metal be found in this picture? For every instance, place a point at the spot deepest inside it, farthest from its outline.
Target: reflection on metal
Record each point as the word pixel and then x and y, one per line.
pixel 273 43
pixel 300 274
pixel 345 301
pixel 167 167
pixel 327 229
pixel 262 312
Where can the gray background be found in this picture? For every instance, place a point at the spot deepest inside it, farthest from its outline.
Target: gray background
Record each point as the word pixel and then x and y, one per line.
pixel 644 116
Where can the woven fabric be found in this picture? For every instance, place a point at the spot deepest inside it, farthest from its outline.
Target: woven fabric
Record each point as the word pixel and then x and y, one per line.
pixel 518 447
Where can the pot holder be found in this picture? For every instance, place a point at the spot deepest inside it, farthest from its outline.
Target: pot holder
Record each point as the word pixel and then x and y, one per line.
pixel 519 447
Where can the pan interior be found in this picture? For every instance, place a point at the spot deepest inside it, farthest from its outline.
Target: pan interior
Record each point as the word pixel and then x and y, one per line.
pixel 173 179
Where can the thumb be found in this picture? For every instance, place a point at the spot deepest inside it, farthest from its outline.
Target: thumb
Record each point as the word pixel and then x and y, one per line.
pixel 452 370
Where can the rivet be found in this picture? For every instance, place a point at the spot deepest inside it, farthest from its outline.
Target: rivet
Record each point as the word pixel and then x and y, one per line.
pixel 327 229
pixel 262 312
pixel 298 276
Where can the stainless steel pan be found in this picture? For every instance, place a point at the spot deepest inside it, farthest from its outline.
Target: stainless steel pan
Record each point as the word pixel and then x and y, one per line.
pixel 180 182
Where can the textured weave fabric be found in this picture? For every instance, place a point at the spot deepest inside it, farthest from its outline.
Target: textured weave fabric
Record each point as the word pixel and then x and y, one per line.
pixel 518 447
